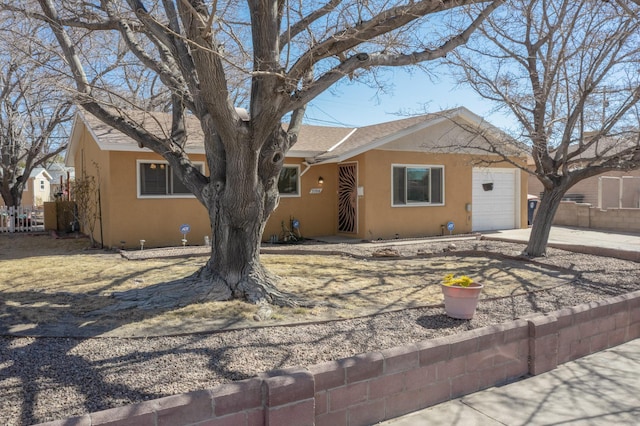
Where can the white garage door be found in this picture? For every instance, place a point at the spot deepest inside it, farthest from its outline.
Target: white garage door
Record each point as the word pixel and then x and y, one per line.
pixel 494 198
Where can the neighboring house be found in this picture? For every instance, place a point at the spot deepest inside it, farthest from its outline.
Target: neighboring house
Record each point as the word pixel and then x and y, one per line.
pixel 61 178
pixel 608 190
pixel 38 188
pixel 405 178
pixel 614 189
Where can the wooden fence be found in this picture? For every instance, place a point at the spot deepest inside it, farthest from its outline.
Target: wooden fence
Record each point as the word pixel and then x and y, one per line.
pixel 21 219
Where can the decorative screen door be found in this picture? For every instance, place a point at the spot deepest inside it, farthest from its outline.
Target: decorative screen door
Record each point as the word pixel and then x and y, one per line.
pixel 348 197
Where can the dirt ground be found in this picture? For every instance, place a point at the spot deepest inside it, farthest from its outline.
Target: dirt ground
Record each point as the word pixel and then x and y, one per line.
pixel 59 287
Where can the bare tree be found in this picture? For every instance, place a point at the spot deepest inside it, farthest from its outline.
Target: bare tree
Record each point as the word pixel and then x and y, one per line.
pixel 568 72
pixel 33 108
pixel 287 52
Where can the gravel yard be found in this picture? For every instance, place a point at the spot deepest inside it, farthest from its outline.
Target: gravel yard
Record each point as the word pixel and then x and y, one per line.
pixel 43 379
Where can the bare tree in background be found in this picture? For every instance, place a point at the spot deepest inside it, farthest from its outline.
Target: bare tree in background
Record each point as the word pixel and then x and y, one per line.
pixel 285 52
pixel 569 72
pixel 33 108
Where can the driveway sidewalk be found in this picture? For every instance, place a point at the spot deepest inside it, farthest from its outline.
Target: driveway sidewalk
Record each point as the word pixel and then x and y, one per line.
pixel 605 243
pixel 599 389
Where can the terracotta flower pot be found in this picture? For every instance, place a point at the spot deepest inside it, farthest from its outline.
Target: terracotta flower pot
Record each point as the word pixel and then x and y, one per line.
pixel 461 302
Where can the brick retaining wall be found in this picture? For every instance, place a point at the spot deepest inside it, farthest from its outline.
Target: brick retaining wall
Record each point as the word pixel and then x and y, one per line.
pixel 375 386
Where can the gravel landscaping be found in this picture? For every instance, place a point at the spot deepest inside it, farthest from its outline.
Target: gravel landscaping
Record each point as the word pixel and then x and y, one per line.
pixel 43 379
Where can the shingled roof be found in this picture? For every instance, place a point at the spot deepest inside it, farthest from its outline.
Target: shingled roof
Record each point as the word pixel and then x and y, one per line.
pixel 317 144
pixel 157 123
pixel 369 137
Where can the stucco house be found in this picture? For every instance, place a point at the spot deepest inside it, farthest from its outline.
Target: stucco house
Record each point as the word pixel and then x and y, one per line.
pixel 404 178
pixel 37 190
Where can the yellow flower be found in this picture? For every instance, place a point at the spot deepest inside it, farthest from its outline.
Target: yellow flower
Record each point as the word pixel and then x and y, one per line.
pixel 451 280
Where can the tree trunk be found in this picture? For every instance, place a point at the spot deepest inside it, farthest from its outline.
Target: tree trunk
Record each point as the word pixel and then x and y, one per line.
pixel 12 196
pixel 238 213
pixel 537 245
pixel 234 270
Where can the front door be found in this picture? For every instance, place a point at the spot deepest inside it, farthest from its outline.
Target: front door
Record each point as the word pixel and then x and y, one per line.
pixel 348 198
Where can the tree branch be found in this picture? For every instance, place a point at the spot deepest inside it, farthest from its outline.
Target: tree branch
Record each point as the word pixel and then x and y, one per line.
pixel 384 23
pixel 293 30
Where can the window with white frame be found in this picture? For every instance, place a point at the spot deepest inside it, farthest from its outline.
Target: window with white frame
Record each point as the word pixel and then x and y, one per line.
pixel 417 185
pixel 157 179
pixel 41 185
pixel 289 181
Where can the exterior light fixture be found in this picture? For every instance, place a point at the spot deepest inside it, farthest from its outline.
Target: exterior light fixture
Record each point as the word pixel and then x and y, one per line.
pixel 320 180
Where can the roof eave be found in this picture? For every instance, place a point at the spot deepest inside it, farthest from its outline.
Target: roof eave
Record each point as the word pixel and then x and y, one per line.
pixel 386 139
pixel 461 112
pixel 71 147
pixel 125 146
pixel 303 154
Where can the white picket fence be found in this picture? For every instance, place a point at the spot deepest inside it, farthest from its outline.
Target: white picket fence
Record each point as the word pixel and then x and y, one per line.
pixel 21 219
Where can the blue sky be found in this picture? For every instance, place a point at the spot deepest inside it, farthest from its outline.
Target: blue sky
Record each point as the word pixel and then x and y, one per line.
pixel 353 104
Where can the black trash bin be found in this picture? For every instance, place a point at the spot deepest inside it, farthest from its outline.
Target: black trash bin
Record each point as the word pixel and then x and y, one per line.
pixel 532 208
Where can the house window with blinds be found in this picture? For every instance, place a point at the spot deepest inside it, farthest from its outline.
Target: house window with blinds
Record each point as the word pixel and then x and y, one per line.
pixel 417 185
pixel 157 179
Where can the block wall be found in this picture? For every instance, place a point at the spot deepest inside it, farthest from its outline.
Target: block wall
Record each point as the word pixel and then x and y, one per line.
pixel 584 215
pixel 376 386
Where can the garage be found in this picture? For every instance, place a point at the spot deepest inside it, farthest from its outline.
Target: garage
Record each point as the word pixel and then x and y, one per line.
pixel 495 196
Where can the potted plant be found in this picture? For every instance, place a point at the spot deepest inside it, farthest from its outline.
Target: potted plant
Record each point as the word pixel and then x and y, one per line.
pixel 460 296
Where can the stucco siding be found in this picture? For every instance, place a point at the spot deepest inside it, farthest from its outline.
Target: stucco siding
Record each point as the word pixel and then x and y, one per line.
pixel 90 161
pixel 125 217
pixel 317 213
pixel 155 220
pixel 386 221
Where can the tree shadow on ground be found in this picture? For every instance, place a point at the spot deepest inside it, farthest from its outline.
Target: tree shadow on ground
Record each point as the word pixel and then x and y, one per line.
pixel 15 246
pixel 598 389
pixel 30 367
pixel 54 370
pixel 47 364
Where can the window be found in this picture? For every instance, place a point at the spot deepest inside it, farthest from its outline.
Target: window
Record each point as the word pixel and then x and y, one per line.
pixel 289 181
pixel 417 185
pixel 157 179
pixel 41 185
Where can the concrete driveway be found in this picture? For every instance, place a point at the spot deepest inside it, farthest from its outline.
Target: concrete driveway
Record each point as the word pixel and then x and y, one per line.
pixel 599 242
